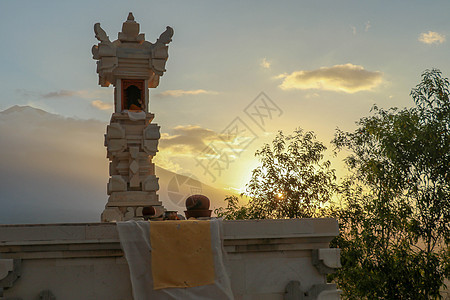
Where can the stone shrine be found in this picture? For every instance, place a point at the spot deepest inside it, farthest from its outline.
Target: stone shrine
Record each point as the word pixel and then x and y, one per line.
pixel 132 65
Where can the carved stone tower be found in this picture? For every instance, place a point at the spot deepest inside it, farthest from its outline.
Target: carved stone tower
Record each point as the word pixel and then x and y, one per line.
pixel 132 65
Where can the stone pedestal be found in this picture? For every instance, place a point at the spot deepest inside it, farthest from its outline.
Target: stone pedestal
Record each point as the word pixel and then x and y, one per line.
pixel 131 146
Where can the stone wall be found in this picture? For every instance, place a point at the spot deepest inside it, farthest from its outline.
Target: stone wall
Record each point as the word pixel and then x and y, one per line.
pixel 266 258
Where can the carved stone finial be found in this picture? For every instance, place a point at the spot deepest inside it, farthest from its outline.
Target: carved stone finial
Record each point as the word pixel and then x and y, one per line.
pixel 166 36
pixel 130 31
pixel 100 34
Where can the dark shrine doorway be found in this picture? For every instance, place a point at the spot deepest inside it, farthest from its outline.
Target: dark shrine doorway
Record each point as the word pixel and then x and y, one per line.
pixel 133 96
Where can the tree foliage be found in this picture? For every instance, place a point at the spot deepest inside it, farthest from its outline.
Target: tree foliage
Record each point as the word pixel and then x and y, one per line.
pixel 396 208
pixel 293 180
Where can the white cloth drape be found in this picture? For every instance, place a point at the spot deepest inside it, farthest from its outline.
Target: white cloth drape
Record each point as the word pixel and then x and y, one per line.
pixel 136 115
pixel 135 240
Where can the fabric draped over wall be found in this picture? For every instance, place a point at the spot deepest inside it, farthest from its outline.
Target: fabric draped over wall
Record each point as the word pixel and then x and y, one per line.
pixel 135 238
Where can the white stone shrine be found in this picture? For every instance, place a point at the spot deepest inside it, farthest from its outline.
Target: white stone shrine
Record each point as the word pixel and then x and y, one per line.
pixel 132 65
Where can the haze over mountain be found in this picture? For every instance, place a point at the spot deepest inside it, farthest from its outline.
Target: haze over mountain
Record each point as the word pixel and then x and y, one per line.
pixel 54 169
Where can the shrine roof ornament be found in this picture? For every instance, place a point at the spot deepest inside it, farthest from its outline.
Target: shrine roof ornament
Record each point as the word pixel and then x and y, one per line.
pixel 130 56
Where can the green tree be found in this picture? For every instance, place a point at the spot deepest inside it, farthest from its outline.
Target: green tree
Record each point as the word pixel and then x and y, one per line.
pixel 395 206
pixel 293 180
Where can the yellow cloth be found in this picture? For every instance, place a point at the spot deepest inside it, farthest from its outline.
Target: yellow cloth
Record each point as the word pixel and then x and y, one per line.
pixel 181 254
pixel 135 107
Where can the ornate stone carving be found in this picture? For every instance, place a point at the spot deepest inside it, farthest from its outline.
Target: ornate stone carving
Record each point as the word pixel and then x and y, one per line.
pixel 151 132
pixel 131 65
pixel 326 260
pixel 112 214
pixel 151 183
pixel 116 145
pixel 6 266
pixel 115 59
pixel 325 291
pixel 10 271
pixel 150 146
pixel 115 131
pixel 116 184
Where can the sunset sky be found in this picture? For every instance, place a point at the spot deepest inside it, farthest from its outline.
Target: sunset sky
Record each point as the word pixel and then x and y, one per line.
pixel 317 65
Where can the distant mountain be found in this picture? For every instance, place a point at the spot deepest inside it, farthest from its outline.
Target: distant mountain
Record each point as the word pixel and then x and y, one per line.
pixel 54 169
pixel 16 109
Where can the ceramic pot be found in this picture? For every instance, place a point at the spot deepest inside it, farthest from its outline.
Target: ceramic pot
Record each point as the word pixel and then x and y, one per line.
pixel 197 202
pixel 197 213
pixel 148 211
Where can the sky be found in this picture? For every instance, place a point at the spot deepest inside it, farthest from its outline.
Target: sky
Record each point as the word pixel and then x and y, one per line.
pixel 248 67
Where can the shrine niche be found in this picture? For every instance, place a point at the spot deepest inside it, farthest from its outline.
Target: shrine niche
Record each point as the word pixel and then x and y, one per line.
pixel 132 65
pixel 132 93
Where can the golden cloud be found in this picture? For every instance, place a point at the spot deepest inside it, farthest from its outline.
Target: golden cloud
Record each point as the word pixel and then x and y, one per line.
pixel 188 139
pixel 101 105
pixel 346 78
pixel 431 37
pixel 265 63
pixel 180 93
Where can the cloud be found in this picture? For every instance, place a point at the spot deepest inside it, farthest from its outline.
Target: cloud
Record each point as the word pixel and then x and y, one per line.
pixel 201 144
pixel 26 93
pixel 431 37
pixel 101 105
pixel 346 78
pixel 184 143
pixel 194 130
pixel 265 63
pixel 188 139
pixel 165 160
pixel 85 94
pixel 59 94
pixel 367 26
pixel 180 93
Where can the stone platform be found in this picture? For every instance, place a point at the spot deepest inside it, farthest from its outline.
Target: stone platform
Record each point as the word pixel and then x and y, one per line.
pixel 85 261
